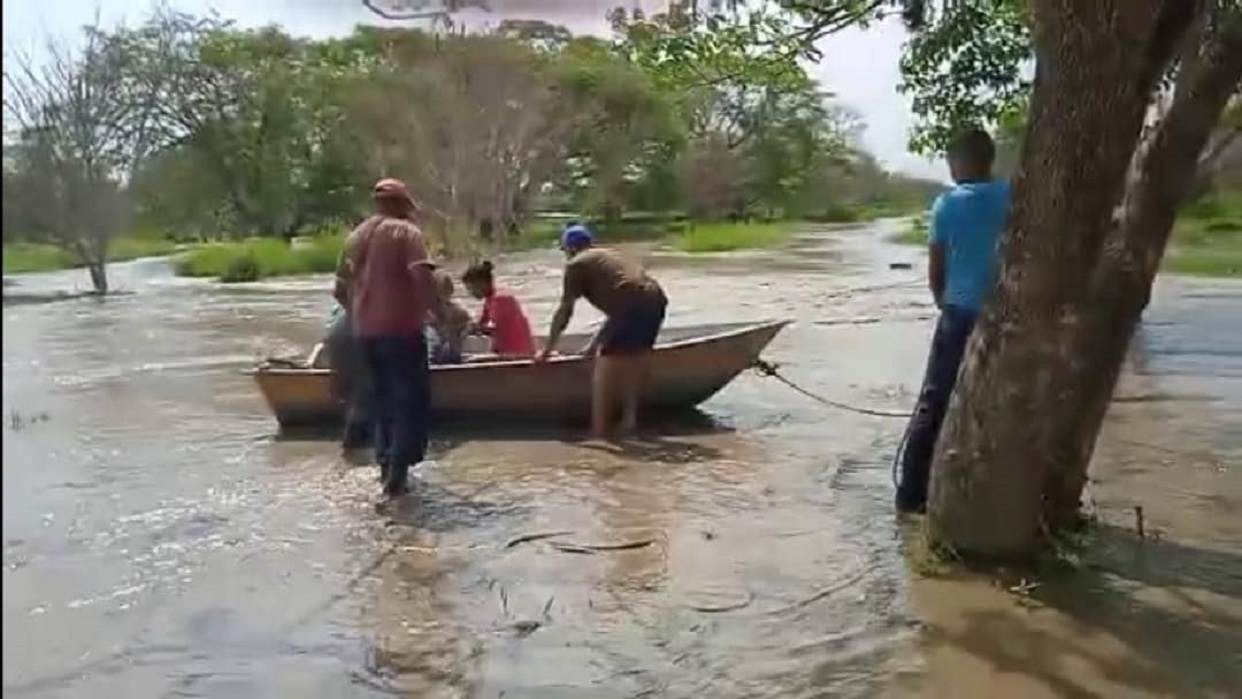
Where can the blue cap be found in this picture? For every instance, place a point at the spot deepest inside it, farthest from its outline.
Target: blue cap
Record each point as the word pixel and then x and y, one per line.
pixel 575 235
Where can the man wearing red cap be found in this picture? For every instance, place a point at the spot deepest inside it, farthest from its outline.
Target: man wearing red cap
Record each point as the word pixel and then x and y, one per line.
pixel 385 280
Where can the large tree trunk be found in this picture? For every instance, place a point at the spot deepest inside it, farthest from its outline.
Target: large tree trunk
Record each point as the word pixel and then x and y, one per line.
pixel 1163 179
pixel 1006 430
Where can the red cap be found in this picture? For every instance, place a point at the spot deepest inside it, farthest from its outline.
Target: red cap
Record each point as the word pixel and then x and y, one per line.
pixel 392 188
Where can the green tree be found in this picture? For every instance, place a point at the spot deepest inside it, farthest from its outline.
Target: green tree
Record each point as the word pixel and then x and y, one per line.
pixel 756 124
pixel 626 129
pixel 474 123
pixel 73 135
pixel 261 112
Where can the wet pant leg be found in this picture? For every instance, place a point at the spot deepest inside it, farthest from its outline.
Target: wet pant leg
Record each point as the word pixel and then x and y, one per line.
pixel 402 403
pixel 359 420
pixel 944 359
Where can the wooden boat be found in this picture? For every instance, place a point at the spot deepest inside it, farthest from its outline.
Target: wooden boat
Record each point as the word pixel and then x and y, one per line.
pixel 691 364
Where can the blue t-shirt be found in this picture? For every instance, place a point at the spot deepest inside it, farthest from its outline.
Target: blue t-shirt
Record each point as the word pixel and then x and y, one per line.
pixel 968 221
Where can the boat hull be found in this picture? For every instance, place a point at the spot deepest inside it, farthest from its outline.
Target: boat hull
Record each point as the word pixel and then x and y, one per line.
pixel 689 366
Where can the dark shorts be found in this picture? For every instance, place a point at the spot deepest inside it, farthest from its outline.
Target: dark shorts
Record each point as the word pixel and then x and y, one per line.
pixel 635 329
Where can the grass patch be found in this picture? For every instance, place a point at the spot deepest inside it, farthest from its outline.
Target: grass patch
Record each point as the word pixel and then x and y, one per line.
pixel 840 213
pixel 672 228
pixel 865 211
pixel 1207 238
pixel 41 257
pixel 35 257
pixel 925 558
pixel 632 227
pixel 1205 263
pixel 724 237
pixel 259 258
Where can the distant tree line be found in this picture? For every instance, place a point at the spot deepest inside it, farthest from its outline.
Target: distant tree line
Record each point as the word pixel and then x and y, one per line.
pixel 193 127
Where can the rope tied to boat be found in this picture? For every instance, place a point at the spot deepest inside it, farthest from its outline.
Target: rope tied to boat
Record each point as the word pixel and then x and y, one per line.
pixel 771 369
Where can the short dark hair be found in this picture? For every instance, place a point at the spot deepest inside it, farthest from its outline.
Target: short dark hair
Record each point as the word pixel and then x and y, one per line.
pixel 974 145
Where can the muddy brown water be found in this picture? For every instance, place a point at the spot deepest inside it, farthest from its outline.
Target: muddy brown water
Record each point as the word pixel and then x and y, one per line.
pixel 161 541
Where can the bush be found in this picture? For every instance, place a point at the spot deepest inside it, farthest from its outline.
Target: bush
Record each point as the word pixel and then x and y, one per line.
pixel 837 213
pixel 243 268
pixel 35 257
pixel 260 258
pixel 1224 225
pixel 725 237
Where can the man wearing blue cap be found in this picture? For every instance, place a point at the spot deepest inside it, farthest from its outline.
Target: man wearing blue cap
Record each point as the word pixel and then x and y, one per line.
pixel 633 305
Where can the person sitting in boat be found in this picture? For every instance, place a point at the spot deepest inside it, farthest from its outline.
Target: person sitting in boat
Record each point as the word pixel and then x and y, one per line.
pixel 341 352
pixel 502 318
pixel 450 331
pixel 633 305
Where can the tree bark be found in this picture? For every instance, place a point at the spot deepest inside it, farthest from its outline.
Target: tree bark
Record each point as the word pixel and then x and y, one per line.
pixel 1164 178
pixel 1005 429
pixel 99 276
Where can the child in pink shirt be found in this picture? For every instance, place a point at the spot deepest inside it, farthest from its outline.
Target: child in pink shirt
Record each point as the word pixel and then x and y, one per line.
pixel 502 318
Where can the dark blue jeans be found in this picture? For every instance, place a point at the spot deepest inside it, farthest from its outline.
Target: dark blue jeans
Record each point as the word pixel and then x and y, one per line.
pixel 943 361
pixel 359 424
pixel 401 404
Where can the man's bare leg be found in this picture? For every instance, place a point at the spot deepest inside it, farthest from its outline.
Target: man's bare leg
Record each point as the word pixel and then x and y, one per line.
pixel 603 395
pixel 637 372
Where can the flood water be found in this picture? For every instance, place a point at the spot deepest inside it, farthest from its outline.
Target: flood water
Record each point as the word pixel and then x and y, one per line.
pixel 161 541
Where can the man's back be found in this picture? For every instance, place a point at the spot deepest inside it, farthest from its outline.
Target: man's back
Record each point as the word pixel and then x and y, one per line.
pixel 608 280
pixel 968 221
pixel 378 262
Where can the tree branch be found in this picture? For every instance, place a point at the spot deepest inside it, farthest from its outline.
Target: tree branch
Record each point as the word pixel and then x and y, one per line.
pixel 1165 169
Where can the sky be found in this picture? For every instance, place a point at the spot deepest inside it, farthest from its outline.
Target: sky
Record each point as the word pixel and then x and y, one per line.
pixel 859 67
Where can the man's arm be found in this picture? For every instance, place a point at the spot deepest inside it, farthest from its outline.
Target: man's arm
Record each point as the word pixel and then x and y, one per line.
pixel 345 270
pixel 421 271
pixel 937 264
pixel 483 326
pixel 570 292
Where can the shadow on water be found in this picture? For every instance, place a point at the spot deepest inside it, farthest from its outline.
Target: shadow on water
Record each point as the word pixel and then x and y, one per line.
pixel 657 440
pixel 1177 610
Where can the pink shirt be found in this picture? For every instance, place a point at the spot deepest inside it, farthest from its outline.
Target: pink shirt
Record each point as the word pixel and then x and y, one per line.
pixel 386 277
pixel 511 334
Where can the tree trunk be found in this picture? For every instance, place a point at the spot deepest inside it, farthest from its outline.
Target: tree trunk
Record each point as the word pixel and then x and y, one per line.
pixel 1164 179
pixel 99 276
pixel 1020 383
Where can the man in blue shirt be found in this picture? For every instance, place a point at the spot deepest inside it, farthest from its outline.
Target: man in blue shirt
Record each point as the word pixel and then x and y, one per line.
pixel 966 226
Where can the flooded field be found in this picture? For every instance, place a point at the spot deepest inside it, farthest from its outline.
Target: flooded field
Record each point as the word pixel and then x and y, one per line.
pixel 161 541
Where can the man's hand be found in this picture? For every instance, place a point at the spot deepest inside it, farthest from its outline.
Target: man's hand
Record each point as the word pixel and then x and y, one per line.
pixel 543 356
